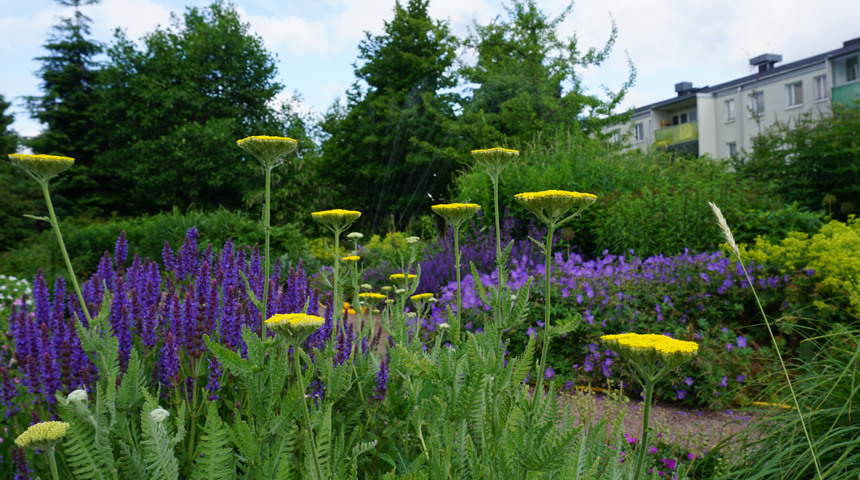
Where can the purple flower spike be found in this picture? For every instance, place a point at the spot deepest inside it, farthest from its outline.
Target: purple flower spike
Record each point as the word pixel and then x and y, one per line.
pixel 213 381
pixel 382 379
pixel 120 251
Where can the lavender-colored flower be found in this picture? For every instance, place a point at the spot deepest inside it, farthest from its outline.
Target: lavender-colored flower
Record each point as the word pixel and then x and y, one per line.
pixel 22 469
pixel 682 394
pixel 120 251
pixel 740 378
pixel 742 341
pixel 729 347
pixel 168 363
pixel 549 373
pixel 724 381
pixel 688 381
pixel 317 390
pixel 8 393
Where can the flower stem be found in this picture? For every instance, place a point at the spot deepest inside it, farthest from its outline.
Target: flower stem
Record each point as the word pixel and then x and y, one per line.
pixel 546 303
pixel 643 441
pixel 266 223
pixel 336 305
pixel 53 463
pixel 307 419
pixel 71 270
pixel 455 329
pixel 498 310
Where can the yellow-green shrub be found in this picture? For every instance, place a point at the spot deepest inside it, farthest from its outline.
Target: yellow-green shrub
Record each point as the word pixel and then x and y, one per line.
pixel 833 254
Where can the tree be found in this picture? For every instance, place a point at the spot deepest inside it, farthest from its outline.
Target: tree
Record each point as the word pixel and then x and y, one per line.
pixel 391 149
pixel 527 79
pixel 66 106
pixel 18 195
pixel 169 115
pixel 814 161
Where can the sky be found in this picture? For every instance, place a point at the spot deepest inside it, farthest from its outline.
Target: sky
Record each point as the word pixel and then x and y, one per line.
pixel 316 41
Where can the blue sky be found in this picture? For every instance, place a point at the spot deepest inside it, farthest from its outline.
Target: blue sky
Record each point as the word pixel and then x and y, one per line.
pixel 669 41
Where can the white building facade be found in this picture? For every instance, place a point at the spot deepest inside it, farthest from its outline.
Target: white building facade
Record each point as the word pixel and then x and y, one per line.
pixel 722 120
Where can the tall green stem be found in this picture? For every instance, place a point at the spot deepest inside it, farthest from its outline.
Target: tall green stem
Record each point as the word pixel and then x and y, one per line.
pixel 455 330
pixel 266 222
pixel 336 306
pixel 56 226
pixel 497 311
pixel 307 418
pixel 546 303
pixel 53 463
pixel 643 441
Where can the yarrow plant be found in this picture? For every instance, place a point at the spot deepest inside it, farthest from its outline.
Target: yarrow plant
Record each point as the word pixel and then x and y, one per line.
pixel 44 436
pixel 336 221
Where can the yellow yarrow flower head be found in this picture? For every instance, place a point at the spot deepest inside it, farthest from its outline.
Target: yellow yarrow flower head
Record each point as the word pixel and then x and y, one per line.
pixel 295 327
pixel 495 159
pixel 43 435
pixel 456 214
pixel 350 259
pixel 270 151
pixel 41 167
pixel 336 220
pixel 401 279
pixel 644 350
pixel 372 298
pixel 551 205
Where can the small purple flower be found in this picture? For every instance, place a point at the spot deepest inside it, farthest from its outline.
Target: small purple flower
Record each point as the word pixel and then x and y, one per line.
pixel 652 449
pixel 531 332
pixel 682 394
pixel 729 347
pixel 742 341
pixel 740 378
pixel 688 381
pixel 630 440
pixel 382 379
pixel 669 463
pixel 549 373
pixel 723 383
pixel 213 383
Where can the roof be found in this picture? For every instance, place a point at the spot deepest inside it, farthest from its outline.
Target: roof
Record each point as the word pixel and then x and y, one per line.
pixel 847 47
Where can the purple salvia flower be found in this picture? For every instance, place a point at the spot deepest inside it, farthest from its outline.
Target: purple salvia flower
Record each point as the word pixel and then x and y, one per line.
pixel 119 322
pixel 105 273
pixel 22 469
pixel 344 344
pixel 382 379
pixel 168 258
pixel 213 380
pixel 188 255
pixel 41 301
pixel 8 393
pixel 120 251
pixel 317 390
pixel 168 363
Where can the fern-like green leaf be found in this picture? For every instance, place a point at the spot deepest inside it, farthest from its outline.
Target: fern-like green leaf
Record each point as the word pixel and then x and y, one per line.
pixel 214 457
pixel 228 358
pixel 133 384
pixel 157 453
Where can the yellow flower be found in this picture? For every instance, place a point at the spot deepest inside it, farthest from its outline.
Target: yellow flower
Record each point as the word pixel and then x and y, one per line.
pixel 645 348
pixel 294 326
pixel 336 220
pixel 495 159
pixel 43 435
pixel 372 297
pixel 268 150
pixel 421 297
pixel 455 214
pixel 351 258
pixel 400 278
pixel 41 167
pixel 550 205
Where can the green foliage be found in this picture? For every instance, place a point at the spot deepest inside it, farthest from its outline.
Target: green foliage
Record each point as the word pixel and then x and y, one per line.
pixel 828 261
pixel 827 387
pixel 391 149
pixel 811 160
pixel 168 115
pixel 650 202
pixel 88 241
pixel 529 80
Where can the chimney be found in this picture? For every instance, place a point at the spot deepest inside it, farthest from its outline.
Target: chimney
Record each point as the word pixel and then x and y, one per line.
pixel 765 62
pixel 682 88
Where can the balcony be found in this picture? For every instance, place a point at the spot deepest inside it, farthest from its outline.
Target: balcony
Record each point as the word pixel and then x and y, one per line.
pixel 848 95
pixel 677 134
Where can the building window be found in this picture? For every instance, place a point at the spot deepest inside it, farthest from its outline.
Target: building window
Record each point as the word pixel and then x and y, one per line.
pixel 820 87
pixel 693 116
pixel 730 110
pixel 639 132
pixel 756 103
pixel 852 69
pixel 794 94
pixel 679 119
pixel 733 149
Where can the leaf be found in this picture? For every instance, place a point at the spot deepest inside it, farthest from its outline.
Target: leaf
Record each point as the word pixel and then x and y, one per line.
pixel 251 295
pixel 213 459
pixel 34 217
pixel 228 358
pixel 570 324
pixel 133 384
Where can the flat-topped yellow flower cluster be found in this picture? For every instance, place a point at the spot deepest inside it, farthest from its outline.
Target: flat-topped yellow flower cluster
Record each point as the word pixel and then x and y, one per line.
pixel 660 343
pixel 421 297
pixel 372 297
pixel 43 167
pixel 399 277
pixel 550 205
pixel 294 326
pixel 42 435
pixel 351 258
pixel 456 213
pixel 268 150
pixel 337 220
pixel 494 159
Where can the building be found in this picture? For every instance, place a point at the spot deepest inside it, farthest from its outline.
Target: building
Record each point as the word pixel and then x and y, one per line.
pixel 722 120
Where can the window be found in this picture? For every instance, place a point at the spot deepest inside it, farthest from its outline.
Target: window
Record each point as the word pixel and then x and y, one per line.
pixel 820 87
pixel 794 94
pixel 679 119
pixel 730 110
pixel 639 132
pixel 733 149
pixel 757 103
pixel 852 69
pixel 693 116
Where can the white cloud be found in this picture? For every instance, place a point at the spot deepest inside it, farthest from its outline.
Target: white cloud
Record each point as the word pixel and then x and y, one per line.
pixel 135 17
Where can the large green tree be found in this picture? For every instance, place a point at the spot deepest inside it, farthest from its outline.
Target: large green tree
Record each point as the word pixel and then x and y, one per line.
pixel 65 108
pixel 169 113
pixel 527 80
pixel 391 150
pixel 18 194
